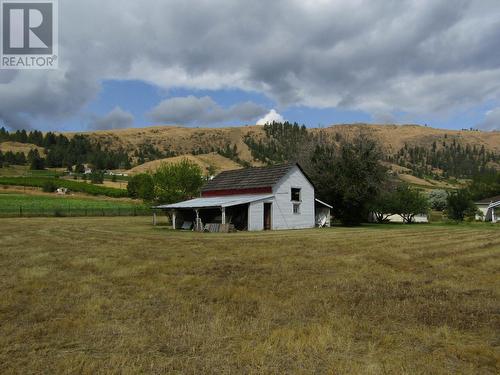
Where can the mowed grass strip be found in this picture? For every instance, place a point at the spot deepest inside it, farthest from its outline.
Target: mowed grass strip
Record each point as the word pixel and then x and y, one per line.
pixel 116 295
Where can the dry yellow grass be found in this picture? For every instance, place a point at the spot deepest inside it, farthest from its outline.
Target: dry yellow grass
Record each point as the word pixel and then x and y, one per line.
pixel 394 137
pixel 204 161
pixel 184 139
pixel 20 147
pixel 431 184
pixel 177 138
pixel 117 296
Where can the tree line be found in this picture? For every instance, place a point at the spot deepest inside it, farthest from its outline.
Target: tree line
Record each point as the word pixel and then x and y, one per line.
pixel 61 151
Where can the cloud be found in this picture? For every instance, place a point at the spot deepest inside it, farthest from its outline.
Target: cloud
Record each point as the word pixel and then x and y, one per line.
pixel 491 120
pixel 191 110
pixel 271 116
pixel 117 118
pixel 427 57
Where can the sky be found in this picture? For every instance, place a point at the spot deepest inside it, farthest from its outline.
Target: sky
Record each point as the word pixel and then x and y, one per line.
pixel 226 62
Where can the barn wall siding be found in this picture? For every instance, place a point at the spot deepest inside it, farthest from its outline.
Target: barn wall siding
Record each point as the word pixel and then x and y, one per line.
pixel 282 212
pixel 256 216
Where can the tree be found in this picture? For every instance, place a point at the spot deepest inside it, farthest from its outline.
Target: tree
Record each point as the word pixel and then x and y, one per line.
pixel 35 160
pixel 384 206
pixel 437 200
pixel 97 177
pixel 79 168
pixel 141 186
pixel 460 205
pixel 410 202
pixel 174 182
pixel 348 176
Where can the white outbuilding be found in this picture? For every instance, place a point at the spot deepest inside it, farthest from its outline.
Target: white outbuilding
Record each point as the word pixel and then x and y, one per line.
pixel 264 198
pixel 489 208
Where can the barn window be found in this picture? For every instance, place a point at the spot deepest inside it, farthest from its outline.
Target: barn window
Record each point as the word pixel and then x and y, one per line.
pixel 296 208
pixel 295 195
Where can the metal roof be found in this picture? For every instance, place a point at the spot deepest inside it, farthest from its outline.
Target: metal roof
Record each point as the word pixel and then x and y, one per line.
pixel 246 178
pixel 224 201
pixel 323 203
pixel 489 200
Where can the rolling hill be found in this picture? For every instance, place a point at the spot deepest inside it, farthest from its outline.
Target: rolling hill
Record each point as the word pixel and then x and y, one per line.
pixel 183 140
pixel 20 147
pixel 218 162
pixel 198 143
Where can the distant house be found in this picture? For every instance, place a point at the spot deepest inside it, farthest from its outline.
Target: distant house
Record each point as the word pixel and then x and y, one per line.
pixel 489 208
pixel 418 218
pixel 277 197
pixel 62 191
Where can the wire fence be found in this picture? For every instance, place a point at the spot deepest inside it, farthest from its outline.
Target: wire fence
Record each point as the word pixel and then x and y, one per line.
pixel 30 211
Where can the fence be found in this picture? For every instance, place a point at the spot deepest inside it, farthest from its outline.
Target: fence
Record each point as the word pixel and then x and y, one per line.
pixel 30 211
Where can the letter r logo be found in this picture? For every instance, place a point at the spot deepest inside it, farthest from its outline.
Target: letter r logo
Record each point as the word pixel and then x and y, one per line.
pixel 27 27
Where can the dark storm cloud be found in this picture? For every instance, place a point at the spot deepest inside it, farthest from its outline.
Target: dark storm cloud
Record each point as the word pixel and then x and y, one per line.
pixel 414 56
pixel 191 110
pixel 115 119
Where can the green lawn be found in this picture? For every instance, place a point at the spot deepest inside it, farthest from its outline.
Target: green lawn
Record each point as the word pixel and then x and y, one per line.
pixel 118 296
pixel 15 204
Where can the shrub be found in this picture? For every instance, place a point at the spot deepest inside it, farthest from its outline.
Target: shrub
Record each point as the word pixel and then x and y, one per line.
pixel 460 205
pixel 438 200
pixel 141 186
pixel 49 186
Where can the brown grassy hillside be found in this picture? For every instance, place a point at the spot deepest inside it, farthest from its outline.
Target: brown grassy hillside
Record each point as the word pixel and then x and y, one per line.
pixel 184 140
pixel 181 140
pixel 20 147
pixel 204 161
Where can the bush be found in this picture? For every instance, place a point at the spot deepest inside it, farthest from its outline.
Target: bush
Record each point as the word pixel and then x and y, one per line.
pixel 141 186
pixel 460 205
pixel 97 177
pixel 438 200
pixel 49 186
pixel 177 181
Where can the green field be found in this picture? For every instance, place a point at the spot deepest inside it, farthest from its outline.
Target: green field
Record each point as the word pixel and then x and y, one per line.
pixel 17 204
pixel 118 296
pixel 75 186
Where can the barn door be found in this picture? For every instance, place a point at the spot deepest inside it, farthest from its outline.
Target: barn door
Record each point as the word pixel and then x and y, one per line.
pixel 267 216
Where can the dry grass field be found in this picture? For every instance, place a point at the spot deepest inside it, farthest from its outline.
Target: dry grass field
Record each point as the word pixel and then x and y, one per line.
pixel 204 161
pixel 20 147
pixel 118 296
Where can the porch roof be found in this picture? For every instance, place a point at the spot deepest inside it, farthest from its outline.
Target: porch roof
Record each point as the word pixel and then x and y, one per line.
pixel 223 201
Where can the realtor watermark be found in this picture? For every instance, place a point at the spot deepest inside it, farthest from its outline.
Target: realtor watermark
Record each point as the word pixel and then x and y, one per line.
pixel 29 34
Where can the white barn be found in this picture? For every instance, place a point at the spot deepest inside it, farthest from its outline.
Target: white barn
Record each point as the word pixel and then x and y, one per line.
pixel 254 199
pixel 489 208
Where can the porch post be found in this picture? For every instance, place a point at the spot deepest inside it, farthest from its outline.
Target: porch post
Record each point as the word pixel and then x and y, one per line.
pixel 197 226
pixel 223 215
pixel 173 219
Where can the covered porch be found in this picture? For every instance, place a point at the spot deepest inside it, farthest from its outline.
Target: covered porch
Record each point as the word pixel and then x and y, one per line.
pixel 212 214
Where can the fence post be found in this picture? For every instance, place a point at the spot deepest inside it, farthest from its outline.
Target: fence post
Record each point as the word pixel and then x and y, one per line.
pixel 20 211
